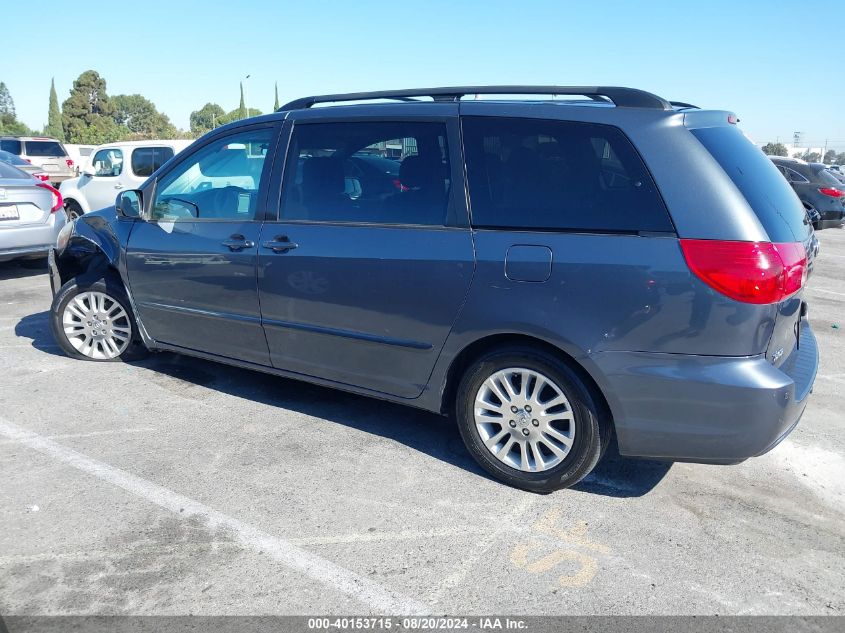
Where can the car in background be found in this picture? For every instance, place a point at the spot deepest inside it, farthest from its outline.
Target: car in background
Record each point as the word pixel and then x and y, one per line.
pixel 20 163
pixel 113 168
pixel 41 151
pixel 80 154
pixel 30 215
pixel 817 188
pixel 839 176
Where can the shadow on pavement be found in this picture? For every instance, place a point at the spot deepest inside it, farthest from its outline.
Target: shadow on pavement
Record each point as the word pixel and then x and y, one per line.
pixel 19 268
pixel 36 327
pixel 435 435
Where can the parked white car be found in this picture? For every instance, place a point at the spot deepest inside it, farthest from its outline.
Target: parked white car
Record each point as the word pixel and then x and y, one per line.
pixel 80 154
pixel 113 168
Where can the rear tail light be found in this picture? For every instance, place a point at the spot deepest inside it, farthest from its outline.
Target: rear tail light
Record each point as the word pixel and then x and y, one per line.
pixel 57 197
pixel 399 186
pixel 751 272
pixel 833 192
pixel 69 162
pixel 42 176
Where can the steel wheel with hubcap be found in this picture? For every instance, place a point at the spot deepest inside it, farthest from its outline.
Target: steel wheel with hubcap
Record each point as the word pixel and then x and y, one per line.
pixel 529 419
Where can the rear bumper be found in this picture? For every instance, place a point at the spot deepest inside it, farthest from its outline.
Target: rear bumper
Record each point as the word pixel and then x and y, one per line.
pixel 706 409
pixel 831 219
pixel 31 241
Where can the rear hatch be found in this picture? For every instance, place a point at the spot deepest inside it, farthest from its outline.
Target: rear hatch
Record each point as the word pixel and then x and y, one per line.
pixel 781 214
pixel 22 201
pixel 47 154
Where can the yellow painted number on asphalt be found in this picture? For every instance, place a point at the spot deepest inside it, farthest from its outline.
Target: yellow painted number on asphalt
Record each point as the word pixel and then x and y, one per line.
pixel 586 566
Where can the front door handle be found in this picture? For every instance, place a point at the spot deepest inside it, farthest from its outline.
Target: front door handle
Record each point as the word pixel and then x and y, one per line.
pixel 238 242
pixel 280 244
pixel 118 186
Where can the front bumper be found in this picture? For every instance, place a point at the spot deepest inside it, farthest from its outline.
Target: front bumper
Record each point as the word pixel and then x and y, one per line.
pixel 707 409
pixel 53 272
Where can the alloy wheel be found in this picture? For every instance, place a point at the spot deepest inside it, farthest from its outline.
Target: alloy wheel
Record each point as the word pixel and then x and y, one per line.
pixel 524 419
pixel 97 325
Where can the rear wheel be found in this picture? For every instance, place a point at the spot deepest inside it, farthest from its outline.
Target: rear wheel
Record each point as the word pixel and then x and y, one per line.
pixel 95 322
pixel 529 420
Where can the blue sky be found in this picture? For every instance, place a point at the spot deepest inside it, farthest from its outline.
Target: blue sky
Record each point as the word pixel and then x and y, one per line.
pixel 756 57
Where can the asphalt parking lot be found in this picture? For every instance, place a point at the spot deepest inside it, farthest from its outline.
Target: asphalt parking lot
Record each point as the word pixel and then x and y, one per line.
pixel 177 486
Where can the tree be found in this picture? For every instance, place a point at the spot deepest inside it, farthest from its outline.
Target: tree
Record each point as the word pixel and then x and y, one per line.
pixel 276 102
pixel 812 157
pixel 237 115
pixel 242 114
pixel 88 113
pixel 7 106
pixel 141 118
pixel 840 158
pixel 829 157
pixel 206 118
pixel 9 123
pixel 798 155
pixel 775 149
pixel 54 115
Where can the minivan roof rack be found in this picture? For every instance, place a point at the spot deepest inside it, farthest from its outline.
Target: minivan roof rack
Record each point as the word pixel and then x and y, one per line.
pixel 620 97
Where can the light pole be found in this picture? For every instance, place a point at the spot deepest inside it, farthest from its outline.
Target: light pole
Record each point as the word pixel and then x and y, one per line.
pixel 246 107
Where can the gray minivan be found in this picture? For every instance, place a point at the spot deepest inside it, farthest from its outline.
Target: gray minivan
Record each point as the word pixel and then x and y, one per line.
pixel 549 271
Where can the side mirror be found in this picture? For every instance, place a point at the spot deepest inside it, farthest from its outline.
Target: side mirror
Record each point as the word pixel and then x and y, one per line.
pixel 129 203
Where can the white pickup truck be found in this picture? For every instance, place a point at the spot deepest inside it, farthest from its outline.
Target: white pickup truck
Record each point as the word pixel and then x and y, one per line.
pixel 112 168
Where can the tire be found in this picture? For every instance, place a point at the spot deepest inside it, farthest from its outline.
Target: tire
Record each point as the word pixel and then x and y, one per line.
pixel 114 333
pixel 73 210
pixel 578 418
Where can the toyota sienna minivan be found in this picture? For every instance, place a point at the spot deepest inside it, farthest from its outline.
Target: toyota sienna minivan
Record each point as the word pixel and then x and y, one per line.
pixel 552 266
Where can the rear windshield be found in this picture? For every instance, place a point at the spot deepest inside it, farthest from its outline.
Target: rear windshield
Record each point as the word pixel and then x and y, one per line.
pixel 826 176
pixel 7 171
pixel 11 145
pixel 44 148
pixel 766 190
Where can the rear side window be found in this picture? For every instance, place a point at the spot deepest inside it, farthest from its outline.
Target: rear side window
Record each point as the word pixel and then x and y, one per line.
pixel 11 145
pixel 145 160
pixel 773 200
pixel 44 148
pixel 558 175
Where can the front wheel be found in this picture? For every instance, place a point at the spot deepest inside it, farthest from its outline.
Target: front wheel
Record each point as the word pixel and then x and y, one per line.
pixel 95 322
pixel 529 420
pixel 73 210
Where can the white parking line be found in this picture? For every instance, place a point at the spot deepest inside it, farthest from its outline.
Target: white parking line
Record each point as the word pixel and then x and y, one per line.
pixel 378 598
pixel 65 436
pixel 833 292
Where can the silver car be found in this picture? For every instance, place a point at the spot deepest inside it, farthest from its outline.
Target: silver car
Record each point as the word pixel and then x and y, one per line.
pixel 46 153
pixel 30 215
pixel 20 163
